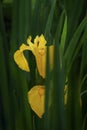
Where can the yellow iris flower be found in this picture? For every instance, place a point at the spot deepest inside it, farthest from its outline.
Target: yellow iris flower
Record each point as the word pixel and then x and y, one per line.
pixel 39 50
pixel 36 97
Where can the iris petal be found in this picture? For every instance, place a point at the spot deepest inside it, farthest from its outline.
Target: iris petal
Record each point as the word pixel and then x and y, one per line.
pixel 36 97
pixel 20 58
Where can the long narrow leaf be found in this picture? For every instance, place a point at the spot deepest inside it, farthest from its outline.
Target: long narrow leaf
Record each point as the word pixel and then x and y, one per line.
pixel 50 18
pixel 73 43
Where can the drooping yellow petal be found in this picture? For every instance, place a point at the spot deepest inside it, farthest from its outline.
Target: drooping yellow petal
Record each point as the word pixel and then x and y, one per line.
pixel 24 47
pixel 36 97
pixel 20 58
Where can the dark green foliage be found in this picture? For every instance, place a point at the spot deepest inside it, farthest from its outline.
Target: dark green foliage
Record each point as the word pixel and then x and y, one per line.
pixel 64 24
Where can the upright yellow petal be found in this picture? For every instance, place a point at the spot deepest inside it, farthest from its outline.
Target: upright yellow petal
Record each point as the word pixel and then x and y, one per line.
pixel 51 56
pixel 31 45
pixel 36 97
pixel 41 60
pixel 40 41
pixel 20 58
pixel 38 48
pixel 40 54
pixel 41 64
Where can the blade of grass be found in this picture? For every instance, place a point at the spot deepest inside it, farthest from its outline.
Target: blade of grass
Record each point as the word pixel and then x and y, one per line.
pixel 82 41
pixel 50 18
pixel 21 27
pixel 74 117
pixel 24 19
pixel 63 37
pixel 83 80
pixel 4 88
pixel 36 17
pixel 21 22
pixel 60 26
pixel 84 61
pixel 84 122
pixel 3 33
pixel 48 98
pixel 26 108
pixel 55 82
pixel 4 70
pixel 74 15
pixel 58 115
pixel 73 43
